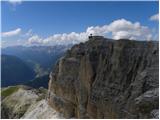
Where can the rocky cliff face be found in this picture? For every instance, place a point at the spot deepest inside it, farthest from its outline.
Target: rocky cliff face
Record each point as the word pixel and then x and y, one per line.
pixel 104 78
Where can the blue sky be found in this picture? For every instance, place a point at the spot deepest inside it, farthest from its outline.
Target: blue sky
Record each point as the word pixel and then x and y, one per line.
pixel 45 19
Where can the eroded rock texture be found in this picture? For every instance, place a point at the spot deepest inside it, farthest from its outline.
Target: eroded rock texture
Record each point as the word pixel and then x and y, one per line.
pixel 104 78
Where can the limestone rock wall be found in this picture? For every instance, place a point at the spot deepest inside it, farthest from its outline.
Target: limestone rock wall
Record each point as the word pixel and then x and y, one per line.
pixel 104 78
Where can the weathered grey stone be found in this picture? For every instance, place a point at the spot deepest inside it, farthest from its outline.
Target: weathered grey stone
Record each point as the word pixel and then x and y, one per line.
pixel 104 78
pixel 147 102
pixel 155 114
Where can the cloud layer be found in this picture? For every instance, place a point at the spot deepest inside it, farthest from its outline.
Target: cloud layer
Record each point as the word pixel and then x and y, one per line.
pixel 122 28
pixel 155 17
pixel 35 39
pixel 117 29
pixel 11 33
pixel 15 2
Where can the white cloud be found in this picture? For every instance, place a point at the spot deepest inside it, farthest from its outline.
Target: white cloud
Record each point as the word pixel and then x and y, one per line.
pixel 35 39
pixel 125 29
pixel 15 2
pixel 155 17
pixel 122 28
pixel 60 39
pixel 29 33
pixel 11 33
pixel 97 30
pixel 118 29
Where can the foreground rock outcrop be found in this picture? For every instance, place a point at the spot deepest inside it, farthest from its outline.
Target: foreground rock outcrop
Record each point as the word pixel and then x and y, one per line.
pixel 26 103
pixel 41 110
pixel 104 78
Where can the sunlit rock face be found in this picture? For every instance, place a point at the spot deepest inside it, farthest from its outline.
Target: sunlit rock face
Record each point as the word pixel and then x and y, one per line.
pixel 104 78
pixel 26 103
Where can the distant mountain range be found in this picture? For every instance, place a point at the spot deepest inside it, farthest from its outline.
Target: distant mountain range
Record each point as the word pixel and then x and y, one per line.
pixel 21 64
pixel 39 58
pixel 14 71
pixel 38 82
